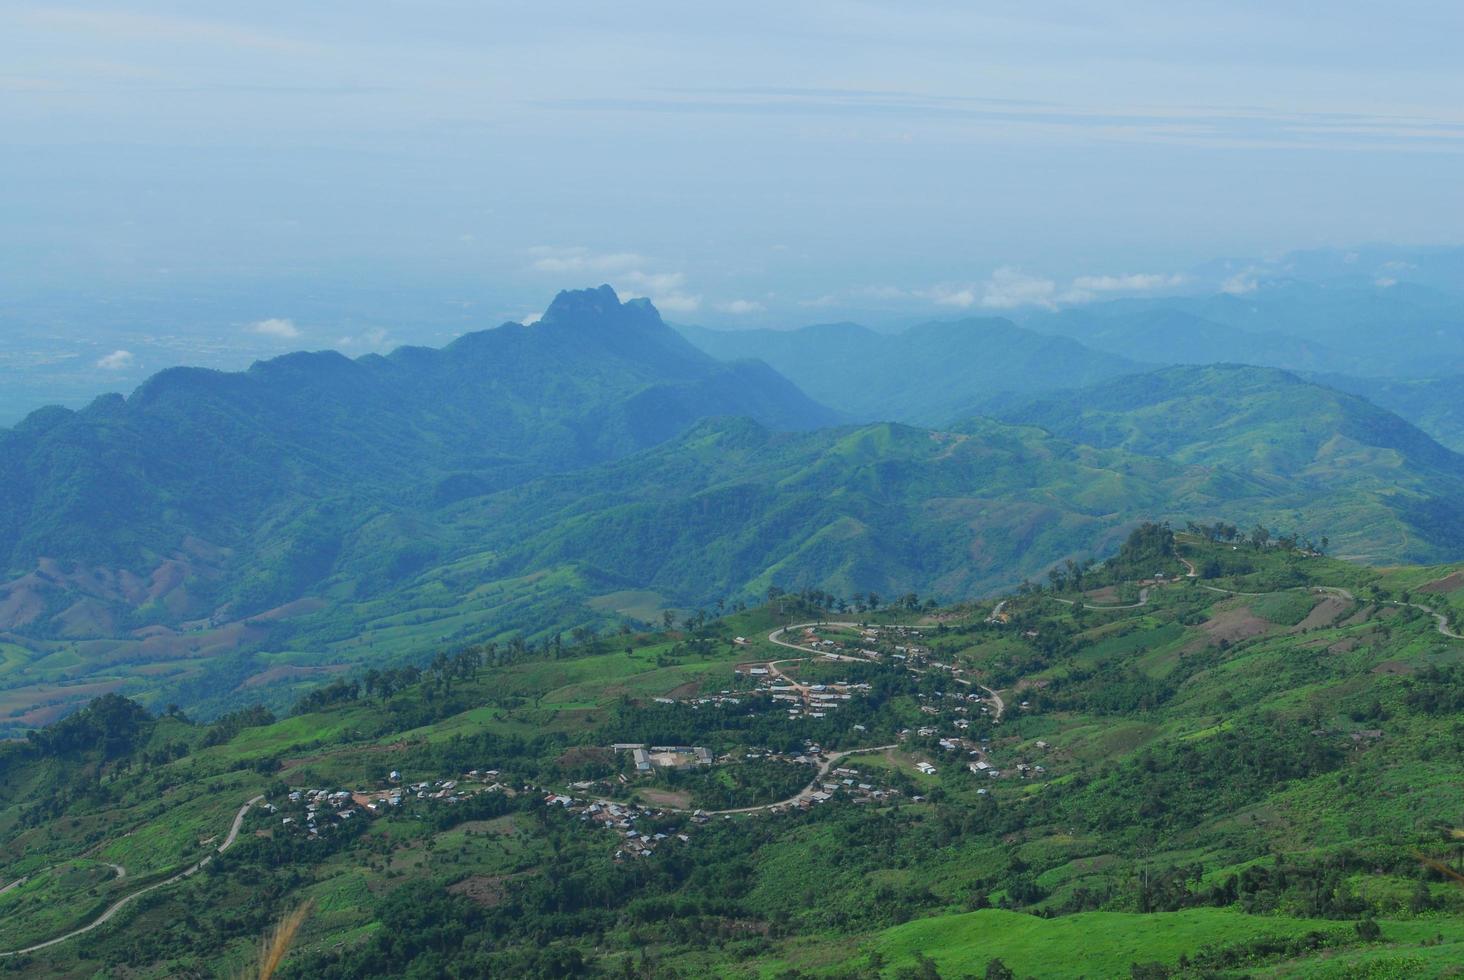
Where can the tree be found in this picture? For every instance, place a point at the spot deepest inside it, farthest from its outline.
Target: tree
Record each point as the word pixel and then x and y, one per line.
pixel 1260 537
pixel 997 970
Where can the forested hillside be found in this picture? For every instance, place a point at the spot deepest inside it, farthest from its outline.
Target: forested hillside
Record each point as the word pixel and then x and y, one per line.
pixel 205 490
pixel 319 573
pixel 1214 755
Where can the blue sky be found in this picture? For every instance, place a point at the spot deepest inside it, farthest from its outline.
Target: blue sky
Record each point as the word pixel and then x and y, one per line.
pixel 739 163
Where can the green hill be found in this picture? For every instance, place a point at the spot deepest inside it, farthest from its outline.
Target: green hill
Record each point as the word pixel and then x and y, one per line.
pixel 1394 491
pixel 730 509
pixel 207 494
pixel 1435 405
pixel 1252 773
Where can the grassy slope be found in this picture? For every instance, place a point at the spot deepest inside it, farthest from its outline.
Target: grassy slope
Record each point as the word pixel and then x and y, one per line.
pixel 1105 944
pixel 1382 798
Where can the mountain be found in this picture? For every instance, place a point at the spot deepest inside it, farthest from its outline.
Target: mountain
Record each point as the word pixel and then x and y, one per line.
pixel 1361 326
pixel 201 466
pixel 1435 405
pixel 1381 482
pixel 929 374
pixel 1161 335
pixel 732 508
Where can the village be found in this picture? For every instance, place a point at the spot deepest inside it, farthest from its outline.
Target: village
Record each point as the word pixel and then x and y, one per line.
pixel 643 825
pixel 314 812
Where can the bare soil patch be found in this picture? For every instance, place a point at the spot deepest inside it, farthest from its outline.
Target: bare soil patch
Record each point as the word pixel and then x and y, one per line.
pixel 581 755
pixel 1448 583
pixel 287 672
pixel 1324 613
pixel 1344 646
pixel 667 797
pixel 1109 593
pixel 1235 624
pixel 484 890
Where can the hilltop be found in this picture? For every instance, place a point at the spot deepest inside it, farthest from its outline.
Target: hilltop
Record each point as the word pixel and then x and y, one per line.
pixel 1371 477
pixel 205 491
pixel 1207 756
pixel 720 513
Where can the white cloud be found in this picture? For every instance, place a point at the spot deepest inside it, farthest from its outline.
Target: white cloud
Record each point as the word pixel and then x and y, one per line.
pixel 1385 282
pixel 118 360
pixel 531 318
pixel 275 327
pixel 1240 284
pixel 371 340
pixel 961 298
pixel 629 272
pixel 560 261
pixel 827 299
pixel 676 303
pixel 1137 282
pixel 742 307
pixel 1009 288
pixel 637 283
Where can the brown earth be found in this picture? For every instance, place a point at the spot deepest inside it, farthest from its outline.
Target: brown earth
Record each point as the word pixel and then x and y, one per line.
pixel 1235 624
pixel 667 797
pixel 1448 583
pixel 484 890
pixel 287 672
pixel 1324 613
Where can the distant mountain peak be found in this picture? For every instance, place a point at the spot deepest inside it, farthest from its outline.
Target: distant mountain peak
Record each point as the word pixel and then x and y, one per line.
pixel 578 307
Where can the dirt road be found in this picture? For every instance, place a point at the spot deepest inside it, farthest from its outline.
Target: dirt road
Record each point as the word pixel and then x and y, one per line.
pixel 122 903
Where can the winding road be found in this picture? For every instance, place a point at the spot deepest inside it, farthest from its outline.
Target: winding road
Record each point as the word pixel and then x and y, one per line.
pixel 122 902
pixel 803 794
pixel 773 665
pixel 1143 601
pixel 1441 622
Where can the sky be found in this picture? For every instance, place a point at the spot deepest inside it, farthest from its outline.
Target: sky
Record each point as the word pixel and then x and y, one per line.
pixel 252 177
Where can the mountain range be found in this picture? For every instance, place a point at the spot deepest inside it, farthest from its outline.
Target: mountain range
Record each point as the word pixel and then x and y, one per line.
pixel 929 374
pixel 214 536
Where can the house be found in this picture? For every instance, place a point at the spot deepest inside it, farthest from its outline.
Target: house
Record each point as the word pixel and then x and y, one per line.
pixel 926 768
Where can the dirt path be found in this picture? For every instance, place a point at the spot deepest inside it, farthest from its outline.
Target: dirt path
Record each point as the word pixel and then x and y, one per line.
pixel 117 869
pixel 773 665
pixel 122 903
pixel 1143 601
pixel 1441 622
pixel 803 794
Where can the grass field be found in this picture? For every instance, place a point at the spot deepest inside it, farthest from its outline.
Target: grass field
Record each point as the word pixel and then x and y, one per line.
pixel 1106 944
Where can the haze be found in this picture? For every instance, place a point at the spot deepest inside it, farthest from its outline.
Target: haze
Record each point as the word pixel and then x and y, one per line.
pixel 202 184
